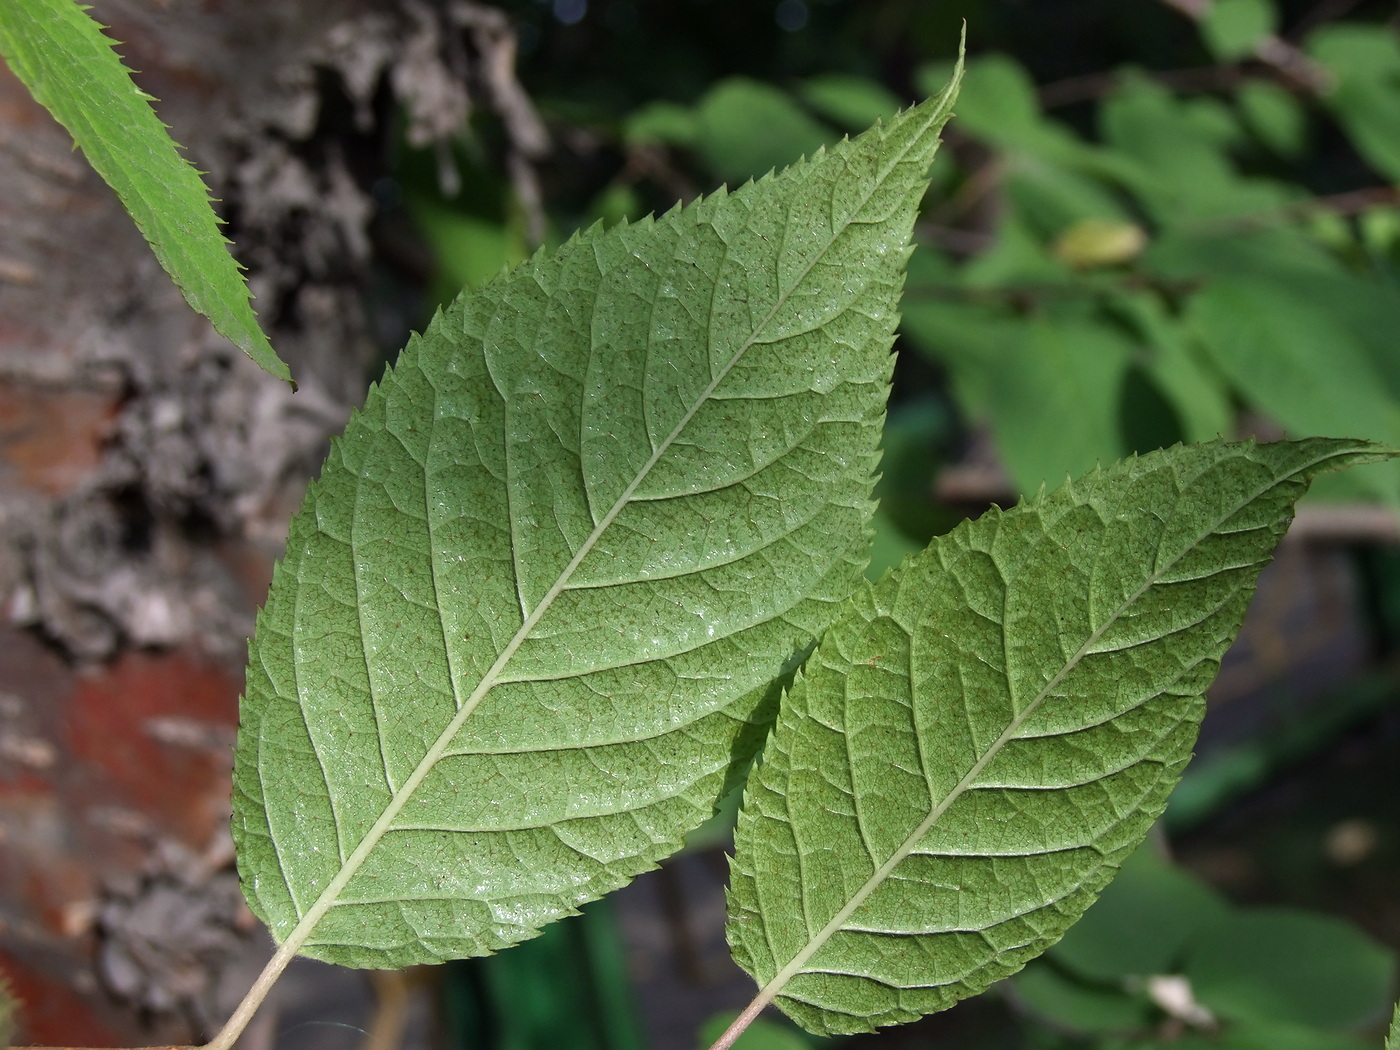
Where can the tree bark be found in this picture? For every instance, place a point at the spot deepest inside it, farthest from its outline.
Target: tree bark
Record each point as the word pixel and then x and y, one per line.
pixel 148 470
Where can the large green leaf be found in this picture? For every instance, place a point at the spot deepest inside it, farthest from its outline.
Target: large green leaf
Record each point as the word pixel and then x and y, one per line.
pixel 532 614
pixel 985 734
pixel 69 66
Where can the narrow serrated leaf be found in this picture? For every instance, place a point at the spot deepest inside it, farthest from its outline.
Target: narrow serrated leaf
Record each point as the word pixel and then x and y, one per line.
pixel 532 615
pixel 985 734
pixel 69 66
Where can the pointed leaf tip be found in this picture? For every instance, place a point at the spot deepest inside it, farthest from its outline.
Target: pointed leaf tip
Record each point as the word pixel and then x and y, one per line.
pixel 71 68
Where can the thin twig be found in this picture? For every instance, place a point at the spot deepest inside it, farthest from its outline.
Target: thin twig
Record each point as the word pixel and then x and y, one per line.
pixel 1290 60
pixel 1352 202
pixel 233 1027
pixel 494 38
pixel 735 1030
pixel 1092 86
pixel 978 189
pixel 1270 49
pixel 390 1017
pixel 1327 11
pixel 1192 9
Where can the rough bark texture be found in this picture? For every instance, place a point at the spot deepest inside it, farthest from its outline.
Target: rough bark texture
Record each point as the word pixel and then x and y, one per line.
pixel 147 471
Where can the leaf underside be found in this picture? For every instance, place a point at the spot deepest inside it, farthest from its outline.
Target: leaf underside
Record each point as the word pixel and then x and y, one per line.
pixel 533 614
pixel 986 733
pixel 69 66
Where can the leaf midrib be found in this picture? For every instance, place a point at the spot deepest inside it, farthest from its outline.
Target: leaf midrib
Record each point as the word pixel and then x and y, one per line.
pixel 774 986
pixel 331 894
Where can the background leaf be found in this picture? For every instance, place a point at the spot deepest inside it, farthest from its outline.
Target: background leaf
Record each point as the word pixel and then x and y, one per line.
pixel 1366 63
pixel 1050 385
pixel 1284 965
pixel 1056 997
pixel 1291 356
pixel 849 101
pixel 70 68
pixel 748 127
pixel 1233 29
pixel 985 734
pixel 1141 923
pixel 1273 115
pixel 531 616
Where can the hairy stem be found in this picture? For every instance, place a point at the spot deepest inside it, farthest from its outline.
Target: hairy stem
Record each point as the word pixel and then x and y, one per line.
pixel 233 1027
pixel 735 1030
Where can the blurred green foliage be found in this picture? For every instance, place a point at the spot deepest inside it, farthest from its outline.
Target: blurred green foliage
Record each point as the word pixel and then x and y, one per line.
pixel 1144 232
pixel 1161 947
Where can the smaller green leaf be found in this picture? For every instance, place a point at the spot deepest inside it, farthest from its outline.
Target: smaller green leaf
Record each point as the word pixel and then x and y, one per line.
pixel 1050 198
pixel 1392 1041
pixel 1233 28
pixel 1380 229
pixel 469 248
pixel 1050 385
pixel 983 736
pixel 69 66
pixel 998 102
pixel 1054 387
pixel 1283 965
pixel 999 107
pixel 1017 255
pixel 618 202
